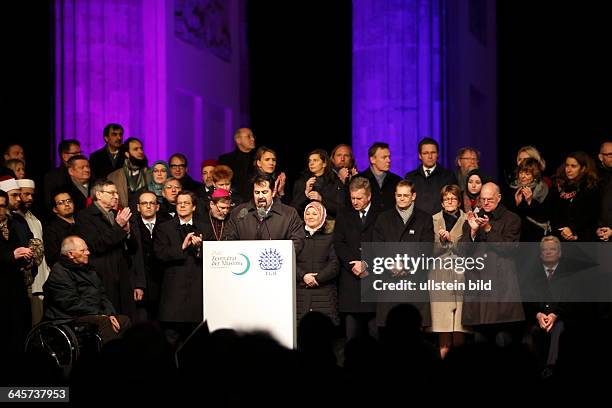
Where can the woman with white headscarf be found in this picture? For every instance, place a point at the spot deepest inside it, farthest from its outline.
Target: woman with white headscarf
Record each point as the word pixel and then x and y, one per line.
pixel 317 266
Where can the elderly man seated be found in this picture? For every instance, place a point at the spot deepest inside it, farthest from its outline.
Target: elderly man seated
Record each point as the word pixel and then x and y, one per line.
pixel 74 292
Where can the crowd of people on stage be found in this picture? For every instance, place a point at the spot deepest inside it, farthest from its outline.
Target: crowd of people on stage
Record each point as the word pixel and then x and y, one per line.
pixel 117 240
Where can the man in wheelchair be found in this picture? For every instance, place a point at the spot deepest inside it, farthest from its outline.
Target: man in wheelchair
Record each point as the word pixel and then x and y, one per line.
pixel 74 293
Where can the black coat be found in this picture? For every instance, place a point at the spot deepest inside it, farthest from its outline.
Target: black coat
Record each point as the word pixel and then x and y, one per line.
pixel 537 211
pixel 189 184
pixel 349 233
pixel 15 318
pixel 500 267
pixel 181 298
pixel 80 201
pixel 281 222
pixel 109 245
pixel 101 164
pixel 318 256
pixel 242 165
pixel 580 214
pixel 428 188
pixel 332 192
pixel 390 227
pixel 73 291
pixel 382 198
pixel 54 233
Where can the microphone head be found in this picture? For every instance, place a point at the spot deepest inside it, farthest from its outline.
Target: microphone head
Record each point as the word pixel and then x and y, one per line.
pixel 261 212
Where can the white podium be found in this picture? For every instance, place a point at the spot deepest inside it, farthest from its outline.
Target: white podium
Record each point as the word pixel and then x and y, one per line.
pixel 250 285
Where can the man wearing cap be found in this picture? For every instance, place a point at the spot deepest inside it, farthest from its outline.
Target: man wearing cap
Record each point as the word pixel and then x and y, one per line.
pixel 28 187
pixel 207 167
pixel 219 208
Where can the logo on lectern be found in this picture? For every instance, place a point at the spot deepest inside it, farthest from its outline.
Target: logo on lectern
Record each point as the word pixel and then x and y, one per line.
pixel 270 260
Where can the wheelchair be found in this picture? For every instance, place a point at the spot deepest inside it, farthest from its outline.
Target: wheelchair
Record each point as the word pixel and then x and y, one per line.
pixel 63 343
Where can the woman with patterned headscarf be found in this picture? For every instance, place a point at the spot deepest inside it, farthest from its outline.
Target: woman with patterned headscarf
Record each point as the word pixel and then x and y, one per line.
pixel 317 266
pixel 158 174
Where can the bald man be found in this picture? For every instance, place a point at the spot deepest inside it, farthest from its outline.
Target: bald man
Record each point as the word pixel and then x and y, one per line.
pixel 241 161
pixel 494 224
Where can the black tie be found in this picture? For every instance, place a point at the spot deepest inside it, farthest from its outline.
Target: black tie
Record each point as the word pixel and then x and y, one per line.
pixel 550 272
pixel 427 173
pixel 363 217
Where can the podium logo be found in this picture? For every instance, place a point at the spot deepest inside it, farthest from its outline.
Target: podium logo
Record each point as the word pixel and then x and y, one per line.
pixel 236 264
pixel 270 260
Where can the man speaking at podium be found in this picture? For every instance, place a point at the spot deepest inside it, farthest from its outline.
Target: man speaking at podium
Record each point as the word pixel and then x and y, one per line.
pixel 265 218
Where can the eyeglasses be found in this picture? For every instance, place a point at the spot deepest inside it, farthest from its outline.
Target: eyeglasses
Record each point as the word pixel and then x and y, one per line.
pixel 148 203
pixel 111 192
pixel 487 200
pixel 177 166
pixel 606 154
pixel 64 202
pixel 450 199
pixel 171 187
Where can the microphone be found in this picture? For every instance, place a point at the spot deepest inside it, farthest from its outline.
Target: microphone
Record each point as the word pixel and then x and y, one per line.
pixel 261 214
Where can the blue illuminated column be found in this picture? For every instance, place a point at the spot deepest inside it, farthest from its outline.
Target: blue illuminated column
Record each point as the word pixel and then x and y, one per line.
pixel 398 77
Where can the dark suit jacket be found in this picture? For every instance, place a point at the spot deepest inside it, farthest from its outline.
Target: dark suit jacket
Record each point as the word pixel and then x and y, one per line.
pixel 101 164
pixel 382 198
pixel 428 188
pixel 181 292
pixel 391 228
pixel 349 233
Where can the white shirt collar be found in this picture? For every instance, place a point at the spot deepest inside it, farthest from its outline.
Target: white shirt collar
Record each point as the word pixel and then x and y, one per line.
pixel 190 222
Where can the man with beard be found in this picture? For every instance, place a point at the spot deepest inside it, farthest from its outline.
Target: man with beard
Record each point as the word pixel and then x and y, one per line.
pixel 265 218
pixel 59 227
pixel 131 179
pixel 108 158
pixel 344 162
pixel 15 316
pixel 107 233
pixel 27 199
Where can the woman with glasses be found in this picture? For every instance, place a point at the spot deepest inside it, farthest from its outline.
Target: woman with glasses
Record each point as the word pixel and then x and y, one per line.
pixel 446 306
pixel 158 173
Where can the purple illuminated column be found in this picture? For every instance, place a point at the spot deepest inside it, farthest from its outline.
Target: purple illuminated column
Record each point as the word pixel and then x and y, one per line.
pixel 398 77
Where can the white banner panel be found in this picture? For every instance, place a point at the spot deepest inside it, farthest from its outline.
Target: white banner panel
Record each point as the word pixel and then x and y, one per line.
pixel 250 285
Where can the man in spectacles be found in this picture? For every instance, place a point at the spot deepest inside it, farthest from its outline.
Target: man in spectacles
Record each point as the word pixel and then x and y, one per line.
pixel 60 226
pixel 178 168
pixel 170 191
pixel 467 159
pixel 501 311
pixel 144 227
pixel 178 247
pixel 107 233
pixel 75 292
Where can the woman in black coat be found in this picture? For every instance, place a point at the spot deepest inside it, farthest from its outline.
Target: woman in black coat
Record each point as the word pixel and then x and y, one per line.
pixel 317 267
pixel 318 183
pixel 575 200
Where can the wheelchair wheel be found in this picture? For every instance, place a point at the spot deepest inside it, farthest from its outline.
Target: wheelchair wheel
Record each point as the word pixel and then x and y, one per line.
pixel 57 342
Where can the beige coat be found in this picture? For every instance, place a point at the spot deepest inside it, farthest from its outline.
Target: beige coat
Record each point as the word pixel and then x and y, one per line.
pixel 446 305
